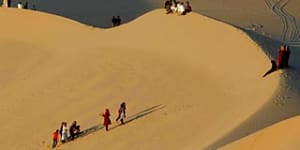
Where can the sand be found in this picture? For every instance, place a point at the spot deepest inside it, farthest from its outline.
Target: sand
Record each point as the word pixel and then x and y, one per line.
pixel 190 82
pixel 283 135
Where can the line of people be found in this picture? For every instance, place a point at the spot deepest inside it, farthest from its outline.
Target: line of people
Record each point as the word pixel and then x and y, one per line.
pixel 116 21
pixel 74 130
pixel 63 133
pixel 178 7
pixel 282 59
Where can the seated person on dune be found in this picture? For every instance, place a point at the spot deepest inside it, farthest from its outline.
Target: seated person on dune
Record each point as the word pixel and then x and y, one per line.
pixel 177 7
pixel 188 7
pixel 168 5
pixel 74 130
pixel 174 7
pixel 180 8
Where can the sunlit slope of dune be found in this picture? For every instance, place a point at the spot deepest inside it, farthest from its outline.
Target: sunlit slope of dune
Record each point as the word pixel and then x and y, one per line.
pixel 206 76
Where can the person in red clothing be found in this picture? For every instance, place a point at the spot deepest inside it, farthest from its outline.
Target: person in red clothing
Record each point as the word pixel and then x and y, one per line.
pixel 282 60
pixel 106 118
pixel 55 138
pixel 281 54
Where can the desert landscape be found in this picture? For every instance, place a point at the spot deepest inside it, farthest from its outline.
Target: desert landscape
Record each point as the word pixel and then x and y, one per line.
pixel 190 82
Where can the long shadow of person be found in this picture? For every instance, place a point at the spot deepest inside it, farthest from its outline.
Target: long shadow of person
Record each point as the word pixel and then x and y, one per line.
pixel 274 68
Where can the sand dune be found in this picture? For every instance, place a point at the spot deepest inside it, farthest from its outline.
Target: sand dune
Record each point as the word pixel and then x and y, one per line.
pixel 201 72
pixel 284 103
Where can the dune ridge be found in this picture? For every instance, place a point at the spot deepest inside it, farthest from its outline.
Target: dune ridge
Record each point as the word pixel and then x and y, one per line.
pixel 54 70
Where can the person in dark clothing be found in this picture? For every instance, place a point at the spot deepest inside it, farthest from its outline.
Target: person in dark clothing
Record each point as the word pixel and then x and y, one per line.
pixel 25 5
pixel 286 56
pixel 114 21
pixel 122 113
pixel 118 21
pixel 188 7
pixel 74 130
pixel 168 5
pixel 8 3
pixel 61 128
pixel 274 68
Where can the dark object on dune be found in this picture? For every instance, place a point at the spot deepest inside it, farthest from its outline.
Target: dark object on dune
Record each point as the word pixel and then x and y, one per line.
pixel 118 21
pixel 8 3
pixel 168 5
pixel 286 56
pixel 188 7
pixel 74 130
pixel 114 21
pixel 25 5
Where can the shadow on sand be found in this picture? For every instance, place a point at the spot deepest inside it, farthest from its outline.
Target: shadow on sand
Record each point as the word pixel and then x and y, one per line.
pixel 128 120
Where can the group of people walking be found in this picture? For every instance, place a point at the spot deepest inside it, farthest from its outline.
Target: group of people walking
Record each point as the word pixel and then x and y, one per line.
pixel 63 133
pixel 116 21
pixel 74 130
pixel 178 7
pixel 282 59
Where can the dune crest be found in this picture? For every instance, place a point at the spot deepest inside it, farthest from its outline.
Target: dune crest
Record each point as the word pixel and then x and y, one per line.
pixel 200 70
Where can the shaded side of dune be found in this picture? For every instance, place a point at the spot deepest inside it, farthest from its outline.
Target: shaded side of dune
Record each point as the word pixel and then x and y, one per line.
pixel 284 103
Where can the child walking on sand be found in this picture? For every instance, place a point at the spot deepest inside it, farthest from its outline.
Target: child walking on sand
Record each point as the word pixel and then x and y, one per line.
pixel 106 119
pixel 55 138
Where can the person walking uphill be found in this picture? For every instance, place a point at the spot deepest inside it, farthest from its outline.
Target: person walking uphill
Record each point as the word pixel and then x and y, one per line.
pixel 64 132
pixel 106 119
pixel 122 113
pixel 74 130
pixel 55 138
